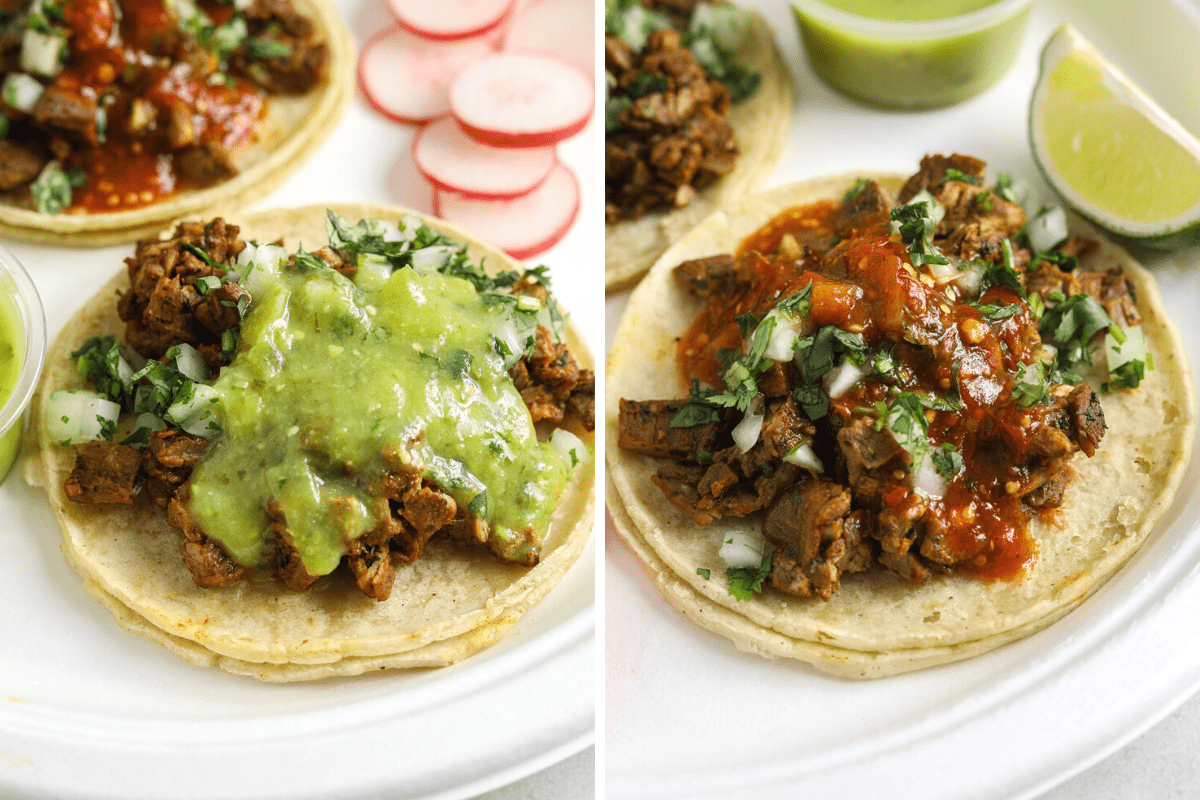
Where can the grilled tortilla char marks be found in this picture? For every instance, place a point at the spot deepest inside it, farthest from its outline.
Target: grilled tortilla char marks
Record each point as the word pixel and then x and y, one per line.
pixel 1015 457
pixel 163 307
pixel 144 110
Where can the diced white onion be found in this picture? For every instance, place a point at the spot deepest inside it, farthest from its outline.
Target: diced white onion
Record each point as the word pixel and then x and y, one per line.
pixel 803 456
pixel 42 53
pixel 197 416
pixel 746 432
pixel 1048 229
pixel 260 266
pixel 936 210
pixel 1120 353
pixel 191 364
pixel 431 258
pixel 741 549
pixel 570 445
pixel 21 91
pixel 505 331
pixel 927 481
pixel 78 416
pixel 839 379
pixel 781 345
pixel 970 279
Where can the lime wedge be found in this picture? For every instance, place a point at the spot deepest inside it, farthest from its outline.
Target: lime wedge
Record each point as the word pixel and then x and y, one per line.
pixel 1109 150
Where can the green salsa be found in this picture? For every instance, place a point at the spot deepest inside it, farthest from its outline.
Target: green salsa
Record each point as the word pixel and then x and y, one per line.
pixel 909 55
pixel 12 346
pixel 907 10
pixel 337 382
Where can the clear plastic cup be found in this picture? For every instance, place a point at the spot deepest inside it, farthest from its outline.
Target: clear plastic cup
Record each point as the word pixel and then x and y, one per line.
pixel 22 308
pixel 911 65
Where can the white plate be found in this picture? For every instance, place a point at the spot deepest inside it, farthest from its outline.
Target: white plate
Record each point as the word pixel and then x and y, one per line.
pixel 687 716
pixel 89 711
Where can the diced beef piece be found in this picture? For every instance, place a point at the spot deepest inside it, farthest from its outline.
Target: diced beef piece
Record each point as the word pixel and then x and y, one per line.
pixel 784 428
pixel 370 561
pixel 176 449
pixel 906 565
pixel 704 277
pixel 1078 246
pixel 20 163
pixel 1050 494
pixel 304 65
pixel 205 164
pixel 645 427
pixel 551 365
pixel 1088 418
pixel 976 224
pixel 210 566
pixel 820 539
pixel 169 309
pixel 933 171
pixel 864 450
pixel 868 209
pixel 218 310
pixel 427 510
pixel 736 484
pixel 1047 279
pixel 1112 290
pixel 104 473
pixel 618 55
pixel 282 555
pixel 582 403
pixel 678 482
pixel 467 529
pixel 67 111
pixel 181 130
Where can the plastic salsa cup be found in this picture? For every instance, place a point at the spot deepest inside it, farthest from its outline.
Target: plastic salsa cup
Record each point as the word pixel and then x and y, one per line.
pixel 911 63
pixel 22 352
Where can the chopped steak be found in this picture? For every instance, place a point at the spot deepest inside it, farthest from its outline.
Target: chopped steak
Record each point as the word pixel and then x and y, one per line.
pixel 105 472
pixel 950 426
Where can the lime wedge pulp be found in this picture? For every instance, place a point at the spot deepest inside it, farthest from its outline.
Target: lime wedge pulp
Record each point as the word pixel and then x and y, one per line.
pixel 1109 150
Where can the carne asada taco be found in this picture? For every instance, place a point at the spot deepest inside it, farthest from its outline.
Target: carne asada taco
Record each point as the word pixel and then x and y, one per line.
pixel 355 451
pixel 698 110
pixel 914 432
pixel 122 115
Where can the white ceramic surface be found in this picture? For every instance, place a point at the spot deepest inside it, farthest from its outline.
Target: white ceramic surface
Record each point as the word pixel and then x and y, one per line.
pixel 689 717
pixel 89 711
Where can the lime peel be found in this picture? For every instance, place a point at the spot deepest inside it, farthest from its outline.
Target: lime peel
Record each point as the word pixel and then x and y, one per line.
pixel 1109 150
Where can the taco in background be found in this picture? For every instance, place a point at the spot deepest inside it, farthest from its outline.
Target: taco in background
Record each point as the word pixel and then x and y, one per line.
pixel 697 112
pixel 122 115
pixel 371 453
pixel 916 432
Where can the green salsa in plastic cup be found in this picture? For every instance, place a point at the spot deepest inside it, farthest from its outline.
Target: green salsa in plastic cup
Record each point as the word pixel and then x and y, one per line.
pixel 911 54
pixel 22 353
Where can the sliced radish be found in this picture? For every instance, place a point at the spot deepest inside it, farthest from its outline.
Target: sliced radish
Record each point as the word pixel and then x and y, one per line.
pixel 523 226
pixel 407 78
pixel 564 27
pixel 521 99
pixel 454 162
pixel 445 20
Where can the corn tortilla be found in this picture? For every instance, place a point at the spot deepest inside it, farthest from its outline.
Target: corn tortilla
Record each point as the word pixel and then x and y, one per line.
pixel 448 604
pixel 877 624
pixel 293 130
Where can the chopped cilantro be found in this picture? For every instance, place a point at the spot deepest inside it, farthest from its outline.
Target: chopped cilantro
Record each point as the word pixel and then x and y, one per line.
pixel 745 581
pixel 263 49
pixel 1032 385
pixel 905 418
pixel 953 174
pixel 51 190
pixel 704 573
pixel 697 410
pixel 916 230
pixel 946 460
pixel 644 85
pixel 854 190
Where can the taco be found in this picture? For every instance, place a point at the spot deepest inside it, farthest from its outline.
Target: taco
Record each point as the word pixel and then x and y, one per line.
pixel 688 129
pixel 122 115
pixel 365 452
pixel 898 449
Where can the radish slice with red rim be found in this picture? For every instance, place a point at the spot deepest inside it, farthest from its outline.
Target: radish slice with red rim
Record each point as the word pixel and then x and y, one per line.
pixel 524 226
pixel 407 78
pixel 521 99
pixel 454 162
pixel 446 20
pixel 566 28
